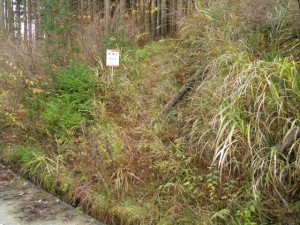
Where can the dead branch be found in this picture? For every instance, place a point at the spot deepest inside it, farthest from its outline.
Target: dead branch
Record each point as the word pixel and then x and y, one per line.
pixel 183 90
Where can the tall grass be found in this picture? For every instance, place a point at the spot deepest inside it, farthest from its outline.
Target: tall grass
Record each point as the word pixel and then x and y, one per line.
pixel 247 104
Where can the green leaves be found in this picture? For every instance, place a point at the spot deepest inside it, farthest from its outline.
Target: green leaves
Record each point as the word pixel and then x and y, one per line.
pixel 56 15
pixel 71 102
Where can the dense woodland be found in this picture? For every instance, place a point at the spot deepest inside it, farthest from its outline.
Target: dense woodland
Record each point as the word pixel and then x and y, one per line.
pixel 198 125
pixel 26 19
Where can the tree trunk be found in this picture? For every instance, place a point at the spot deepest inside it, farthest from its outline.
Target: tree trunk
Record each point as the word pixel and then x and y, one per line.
pixel 10 17
pixel 89 8
pixel 94 8
pixel 153 18
pixel 175 15
pixel 2 16
pixel 147 17
pixel 122 7
pixel 142 15
pixel 163 17
pixel 30 24
pixel 81 10
pixel 37 20
pixel 107 15
pixel 18 22
pixel 5 14
pixel 25 21
pixel 158 18
pixel 179 10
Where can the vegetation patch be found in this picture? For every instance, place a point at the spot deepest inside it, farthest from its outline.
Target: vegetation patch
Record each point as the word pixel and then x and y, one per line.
pixel 96 136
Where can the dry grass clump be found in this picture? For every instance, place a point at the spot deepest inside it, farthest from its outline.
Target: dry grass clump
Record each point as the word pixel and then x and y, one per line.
pixel 246 105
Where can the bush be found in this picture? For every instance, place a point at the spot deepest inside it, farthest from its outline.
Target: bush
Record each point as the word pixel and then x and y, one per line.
pixel 70 103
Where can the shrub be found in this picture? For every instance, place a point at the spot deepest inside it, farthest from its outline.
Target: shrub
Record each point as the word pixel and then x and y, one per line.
pixel 70 102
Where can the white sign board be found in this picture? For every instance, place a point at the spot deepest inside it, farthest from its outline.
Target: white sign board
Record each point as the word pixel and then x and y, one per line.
pixel 112 58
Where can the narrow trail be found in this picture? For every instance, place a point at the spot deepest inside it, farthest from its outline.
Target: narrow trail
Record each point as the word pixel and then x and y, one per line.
pixel 136 128
pixel 22 202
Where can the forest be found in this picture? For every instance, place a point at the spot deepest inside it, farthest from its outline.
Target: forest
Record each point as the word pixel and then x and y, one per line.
pixel 200 123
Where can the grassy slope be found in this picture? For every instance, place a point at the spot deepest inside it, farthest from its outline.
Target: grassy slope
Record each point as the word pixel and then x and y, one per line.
pixel 211 160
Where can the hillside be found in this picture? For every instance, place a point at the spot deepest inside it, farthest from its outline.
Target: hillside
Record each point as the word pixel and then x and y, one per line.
pixel 226 153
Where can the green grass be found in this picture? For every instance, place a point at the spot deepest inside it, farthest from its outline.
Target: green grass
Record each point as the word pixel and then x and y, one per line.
pixel 23 154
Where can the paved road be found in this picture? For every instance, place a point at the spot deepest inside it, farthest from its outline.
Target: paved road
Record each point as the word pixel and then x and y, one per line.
pixel 22 203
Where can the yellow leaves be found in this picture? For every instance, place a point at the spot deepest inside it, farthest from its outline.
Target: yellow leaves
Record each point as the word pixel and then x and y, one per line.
pixel 54 68
pixel 15 71
pixel 13 116
pixel 20 72
pixel 37 90
pixel 10 64
pixel 30 82
pixel 112 39
pixel 134 12
pixel 154 10
pixel 87 17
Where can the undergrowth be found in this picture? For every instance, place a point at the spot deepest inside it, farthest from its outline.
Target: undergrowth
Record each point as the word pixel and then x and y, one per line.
pixel 66 104
pixel 211 160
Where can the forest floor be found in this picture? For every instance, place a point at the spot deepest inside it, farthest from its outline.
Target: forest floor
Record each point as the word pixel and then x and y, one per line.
pixel 21 202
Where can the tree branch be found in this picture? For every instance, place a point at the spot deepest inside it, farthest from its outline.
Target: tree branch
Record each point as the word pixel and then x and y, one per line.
pixel 183 90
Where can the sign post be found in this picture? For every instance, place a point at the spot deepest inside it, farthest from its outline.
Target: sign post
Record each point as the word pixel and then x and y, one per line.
pixel 112 59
